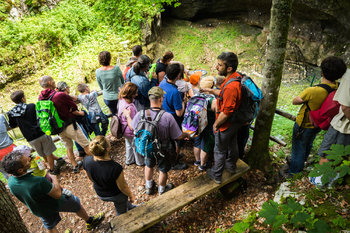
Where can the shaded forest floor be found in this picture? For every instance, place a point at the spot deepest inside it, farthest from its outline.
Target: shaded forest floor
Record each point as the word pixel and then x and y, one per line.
pixel 205 215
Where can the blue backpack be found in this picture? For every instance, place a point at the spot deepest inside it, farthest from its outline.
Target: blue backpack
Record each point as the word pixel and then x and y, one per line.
pixel 147 141
pixel 250 101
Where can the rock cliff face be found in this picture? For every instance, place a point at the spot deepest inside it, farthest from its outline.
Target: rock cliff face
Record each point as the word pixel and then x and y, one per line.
pixel 319 27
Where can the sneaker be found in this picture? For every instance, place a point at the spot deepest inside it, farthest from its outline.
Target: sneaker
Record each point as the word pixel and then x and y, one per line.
pixel 179 166
pixel 197 163
pixel 180 156
pixel 54 172
pixel 232 172
pixel 167 188
pixel 151 190
pixel 76 169
pixel 60 162
pixel 210 174
pixel 96 220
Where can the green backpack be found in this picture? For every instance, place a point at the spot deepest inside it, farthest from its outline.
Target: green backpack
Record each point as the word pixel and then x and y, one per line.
pixel 152 69
pixel 49 121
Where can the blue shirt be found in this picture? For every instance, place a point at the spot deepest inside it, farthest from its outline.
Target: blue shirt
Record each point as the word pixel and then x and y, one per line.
pixel 172 99
pixel 5 140
pixel 143 85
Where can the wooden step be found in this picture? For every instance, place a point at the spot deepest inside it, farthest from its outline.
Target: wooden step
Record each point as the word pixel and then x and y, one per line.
pixel 155 210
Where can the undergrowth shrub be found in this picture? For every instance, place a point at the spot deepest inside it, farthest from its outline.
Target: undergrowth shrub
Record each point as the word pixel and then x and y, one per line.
pixel 27 45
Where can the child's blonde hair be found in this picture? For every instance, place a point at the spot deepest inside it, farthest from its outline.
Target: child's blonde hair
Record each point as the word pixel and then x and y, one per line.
pixel 98 146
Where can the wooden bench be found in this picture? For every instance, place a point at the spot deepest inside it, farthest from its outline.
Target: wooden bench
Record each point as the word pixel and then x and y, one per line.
pixel 155 210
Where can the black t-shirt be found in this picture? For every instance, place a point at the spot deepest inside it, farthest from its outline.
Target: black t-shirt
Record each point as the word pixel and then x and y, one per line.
pixel 104 175
pixel 161 67
pixel 27 123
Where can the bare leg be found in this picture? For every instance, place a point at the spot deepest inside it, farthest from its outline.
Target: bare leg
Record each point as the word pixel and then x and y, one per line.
pixel 71 157
pixel 82 214
pixel 204 157
pixel 162 178
pixel 148 173
pixel 50 161
pixel 196 152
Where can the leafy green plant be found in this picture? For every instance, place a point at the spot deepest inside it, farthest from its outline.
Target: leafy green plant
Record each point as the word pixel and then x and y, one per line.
pixel 291 216
pixel 338 165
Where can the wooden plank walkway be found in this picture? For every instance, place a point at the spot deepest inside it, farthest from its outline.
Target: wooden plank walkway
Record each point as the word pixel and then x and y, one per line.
pixel 155 210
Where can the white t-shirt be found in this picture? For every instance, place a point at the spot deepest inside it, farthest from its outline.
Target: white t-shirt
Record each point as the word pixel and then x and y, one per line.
pixel 340 122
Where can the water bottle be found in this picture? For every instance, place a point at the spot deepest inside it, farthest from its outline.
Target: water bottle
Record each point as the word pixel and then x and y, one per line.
pixel 40 162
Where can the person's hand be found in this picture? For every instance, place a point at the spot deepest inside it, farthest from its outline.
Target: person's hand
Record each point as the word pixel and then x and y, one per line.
pixel 81 113
pixel 126 112
pixel 215 127
pixel 205 90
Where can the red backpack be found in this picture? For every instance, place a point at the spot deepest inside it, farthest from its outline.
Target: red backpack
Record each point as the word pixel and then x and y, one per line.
pixel 323 116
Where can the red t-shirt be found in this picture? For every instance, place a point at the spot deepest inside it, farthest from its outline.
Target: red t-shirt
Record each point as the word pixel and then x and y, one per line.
pixel 231 99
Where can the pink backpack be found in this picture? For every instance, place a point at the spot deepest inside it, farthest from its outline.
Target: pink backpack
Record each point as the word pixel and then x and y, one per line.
pixel 323 116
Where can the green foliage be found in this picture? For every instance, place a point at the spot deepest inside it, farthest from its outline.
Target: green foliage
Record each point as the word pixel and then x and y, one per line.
pixel 338 164
pixel 129 15
pixel 290 216
pixel 29 44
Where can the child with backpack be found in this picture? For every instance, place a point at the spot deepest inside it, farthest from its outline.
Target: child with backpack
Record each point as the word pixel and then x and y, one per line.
pixel 108 176
pixel 96 116
pixel 126 112
pixel 24 116
pixel 311 99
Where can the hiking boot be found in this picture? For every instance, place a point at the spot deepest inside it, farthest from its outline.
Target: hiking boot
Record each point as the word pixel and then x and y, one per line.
pixel 232 172
pixel 284 172
pixel 59 163
pixel 167 188
pixel 76 169
pixel 197 163
pixel 54 172
pixel 150 190
pixel 210 174
pixel 96 220
pixel 179 166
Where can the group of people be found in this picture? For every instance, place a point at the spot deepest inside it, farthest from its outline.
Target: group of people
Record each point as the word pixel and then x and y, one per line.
pixel 135 95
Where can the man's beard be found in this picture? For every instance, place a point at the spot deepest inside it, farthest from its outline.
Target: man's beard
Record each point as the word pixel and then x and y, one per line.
pixel 222 73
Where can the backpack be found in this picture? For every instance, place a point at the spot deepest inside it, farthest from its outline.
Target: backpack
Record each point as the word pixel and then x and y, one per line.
pixel 250 101
pixel 195 117
pixel 147 140
pixel 116 127
pixel 49 120
pixel 323 116
pixel 152 70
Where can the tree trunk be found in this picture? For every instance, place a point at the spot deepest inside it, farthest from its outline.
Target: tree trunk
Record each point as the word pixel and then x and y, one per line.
pixel 10 220
pixel 258 156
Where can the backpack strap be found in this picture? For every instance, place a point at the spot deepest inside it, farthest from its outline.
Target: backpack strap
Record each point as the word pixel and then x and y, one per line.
pixel 51 96
pixel 223 88
pixel 158 116
pixel 325 86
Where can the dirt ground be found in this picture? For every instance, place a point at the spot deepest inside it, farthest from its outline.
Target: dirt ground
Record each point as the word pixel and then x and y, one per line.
pixel 205 215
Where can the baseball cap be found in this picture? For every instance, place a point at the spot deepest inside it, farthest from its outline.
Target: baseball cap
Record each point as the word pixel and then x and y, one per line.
pixel 156 91
pixel 61 86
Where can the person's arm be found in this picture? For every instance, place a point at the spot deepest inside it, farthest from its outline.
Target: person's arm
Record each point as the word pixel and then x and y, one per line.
pixel 298 100
pixel 161 76
pixel 78 113
pixel 222 118
pixel 11 124
pixel 127 115
pixel 182 136
pixel 215 92
pixel 120 74
pixel 180 112
pixel 124 188
pixel 346 111
pixel 56 191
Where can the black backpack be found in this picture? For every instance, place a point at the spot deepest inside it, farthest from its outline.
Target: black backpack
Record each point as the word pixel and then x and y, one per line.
pixel 250 101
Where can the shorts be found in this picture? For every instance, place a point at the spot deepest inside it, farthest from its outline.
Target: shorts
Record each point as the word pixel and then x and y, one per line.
pixel 164 163
pixel 69 134
pixel 70 204
pixel 6 151
pixel 43 145
pixel 205 142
